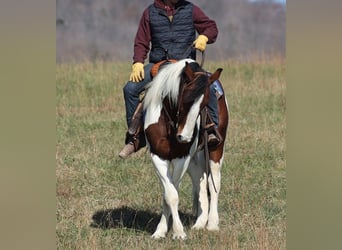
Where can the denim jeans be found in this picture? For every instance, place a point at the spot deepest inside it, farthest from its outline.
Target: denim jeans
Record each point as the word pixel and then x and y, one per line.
pixel 132 91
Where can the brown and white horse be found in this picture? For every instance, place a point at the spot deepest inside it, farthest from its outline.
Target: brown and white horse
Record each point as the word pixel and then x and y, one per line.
pixel 172 104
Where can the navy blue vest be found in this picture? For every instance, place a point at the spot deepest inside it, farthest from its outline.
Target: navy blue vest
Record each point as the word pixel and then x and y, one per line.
pixel 172 39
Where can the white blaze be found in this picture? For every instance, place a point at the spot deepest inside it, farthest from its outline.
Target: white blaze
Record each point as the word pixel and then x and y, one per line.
pixel 191 119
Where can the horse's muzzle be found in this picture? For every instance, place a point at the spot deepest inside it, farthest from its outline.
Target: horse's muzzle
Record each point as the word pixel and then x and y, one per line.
pixel 183 139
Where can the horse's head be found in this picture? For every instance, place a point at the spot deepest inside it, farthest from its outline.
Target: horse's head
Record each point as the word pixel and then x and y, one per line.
pixel 193 96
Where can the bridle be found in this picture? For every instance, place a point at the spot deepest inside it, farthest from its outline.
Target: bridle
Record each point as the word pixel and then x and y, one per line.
pixel 174 124
pixel 197 75
pixel 203 54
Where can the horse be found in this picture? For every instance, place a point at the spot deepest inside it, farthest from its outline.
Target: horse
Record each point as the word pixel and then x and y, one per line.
pixel 172 105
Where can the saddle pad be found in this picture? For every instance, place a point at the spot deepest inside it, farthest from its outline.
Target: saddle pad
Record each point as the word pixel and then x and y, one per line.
pixel 218 89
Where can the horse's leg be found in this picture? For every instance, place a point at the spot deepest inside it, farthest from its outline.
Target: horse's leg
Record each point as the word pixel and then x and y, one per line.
pixel 195 186
pixel 162 170
pixel 199 189
pixel 170 200
pixel 180 166
pixel 163 223
pixel 213 220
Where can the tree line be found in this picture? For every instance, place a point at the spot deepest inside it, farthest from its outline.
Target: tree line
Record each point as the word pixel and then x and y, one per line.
pixel 105 29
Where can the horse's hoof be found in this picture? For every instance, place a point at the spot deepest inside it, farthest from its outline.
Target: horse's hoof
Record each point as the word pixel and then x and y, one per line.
pixel 157 236
pixel 200 223
pixel 213 227
pixel 198 226
pixel 179 236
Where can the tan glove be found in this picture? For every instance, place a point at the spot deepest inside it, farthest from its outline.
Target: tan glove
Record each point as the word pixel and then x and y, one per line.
pixel 137 72
pixel 201 42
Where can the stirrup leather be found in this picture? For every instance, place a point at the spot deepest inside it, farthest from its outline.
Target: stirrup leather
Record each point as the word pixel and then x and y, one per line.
pixel 214 136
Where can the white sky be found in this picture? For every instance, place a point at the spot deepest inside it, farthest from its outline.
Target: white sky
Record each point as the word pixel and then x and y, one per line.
pixel 280 1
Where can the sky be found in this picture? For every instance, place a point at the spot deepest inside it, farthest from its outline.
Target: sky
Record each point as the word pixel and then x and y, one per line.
pixel 279 1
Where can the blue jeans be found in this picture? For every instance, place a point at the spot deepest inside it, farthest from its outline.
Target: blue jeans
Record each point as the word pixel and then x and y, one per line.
pixel 132 91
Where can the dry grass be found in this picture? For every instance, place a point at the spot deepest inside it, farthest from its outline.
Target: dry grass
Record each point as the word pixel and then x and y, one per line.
pixel 106 203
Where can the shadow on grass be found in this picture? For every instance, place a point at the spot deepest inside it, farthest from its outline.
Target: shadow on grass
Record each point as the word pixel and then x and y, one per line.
pixel 134 219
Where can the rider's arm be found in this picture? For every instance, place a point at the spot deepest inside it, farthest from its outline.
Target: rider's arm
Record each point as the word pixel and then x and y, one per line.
pixel 142 39
pixel 204 25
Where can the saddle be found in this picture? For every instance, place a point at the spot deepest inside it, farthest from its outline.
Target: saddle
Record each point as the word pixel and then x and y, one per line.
pixel 155 68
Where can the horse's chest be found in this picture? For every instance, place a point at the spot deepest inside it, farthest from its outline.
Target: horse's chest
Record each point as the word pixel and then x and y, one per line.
pixel 165 145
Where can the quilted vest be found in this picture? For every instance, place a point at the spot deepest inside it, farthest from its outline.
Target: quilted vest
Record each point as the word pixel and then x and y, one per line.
pixel 172 39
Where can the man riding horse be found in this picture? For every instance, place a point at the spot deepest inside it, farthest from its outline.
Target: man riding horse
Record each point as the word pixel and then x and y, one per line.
pixel 170 27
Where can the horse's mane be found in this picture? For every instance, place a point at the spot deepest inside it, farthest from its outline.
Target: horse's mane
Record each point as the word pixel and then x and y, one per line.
pixel 165 83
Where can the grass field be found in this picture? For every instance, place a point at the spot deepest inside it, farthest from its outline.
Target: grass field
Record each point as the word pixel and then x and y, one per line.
pixel 104 202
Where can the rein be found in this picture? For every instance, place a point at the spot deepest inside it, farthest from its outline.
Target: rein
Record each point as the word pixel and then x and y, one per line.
pixel 170 121
pixel 203 54
pixel 205 145
pixel 203 58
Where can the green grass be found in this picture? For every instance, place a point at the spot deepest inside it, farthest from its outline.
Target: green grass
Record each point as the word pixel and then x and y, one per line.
pixel 107 203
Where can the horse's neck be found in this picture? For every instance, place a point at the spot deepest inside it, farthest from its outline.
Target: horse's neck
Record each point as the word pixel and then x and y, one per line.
pixel 169 109
pixel 152 115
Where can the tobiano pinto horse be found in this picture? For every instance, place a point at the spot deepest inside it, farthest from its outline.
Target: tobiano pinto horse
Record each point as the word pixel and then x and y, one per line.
pixel 172 104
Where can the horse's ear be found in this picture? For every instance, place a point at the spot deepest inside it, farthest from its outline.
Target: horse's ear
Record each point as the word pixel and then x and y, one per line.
pixel 215 75
pixel 188 71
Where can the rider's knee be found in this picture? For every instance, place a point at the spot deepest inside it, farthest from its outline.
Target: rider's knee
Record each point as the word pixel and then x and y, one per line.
pixel 130 89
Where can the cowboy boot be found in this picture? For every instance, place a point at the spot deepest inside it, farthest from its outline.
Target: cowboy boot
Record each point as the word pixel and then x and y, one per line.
pixel 214 137
pixel 133 144
pixel 135 137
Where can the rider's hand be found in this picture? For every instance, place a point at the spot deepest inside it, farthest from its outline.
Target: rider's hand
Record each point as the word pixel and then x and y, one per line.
pixel 201 42
pixel 137 72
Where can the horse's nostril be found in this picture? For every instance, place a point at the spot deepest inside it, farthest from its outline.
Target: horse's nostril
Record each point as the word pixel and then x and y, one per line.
pixel 182 139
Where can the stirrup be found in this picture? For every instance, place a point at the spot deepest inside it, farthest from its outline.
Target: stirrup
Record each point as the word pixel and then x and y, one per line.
pixel 214 137
pixel 213 141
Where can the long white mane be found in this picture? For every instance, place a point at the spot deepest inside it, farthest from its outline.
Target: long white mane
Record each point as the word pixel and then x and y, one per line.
pixel 165 83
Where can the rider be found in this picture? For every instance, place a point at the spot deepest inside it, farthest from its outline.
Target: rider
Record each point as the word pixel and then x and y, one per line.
pixel 170 27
